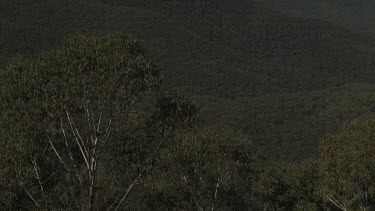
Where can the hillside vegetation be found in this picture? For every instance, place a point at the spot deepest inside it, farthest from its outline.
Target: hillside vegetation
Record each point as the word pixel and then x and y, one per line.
pixel 187 105
pixel 355 15
pixel 88 127
pixel 251 51
pixel 220 49
pixel 288 125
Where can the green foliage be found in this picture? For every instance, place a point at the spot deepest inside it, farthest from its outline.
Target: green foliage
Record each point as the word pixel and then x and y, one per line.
pixel 237 49
pixel 293 187
pixel 251 51
pixel 275 77
pixel 84 92
pixel 355 15
pixel 93 94
pixel 347 165
pixel 205 169
pixel 341 178
pixel 218 48
pixel 289 126
pixel 174 110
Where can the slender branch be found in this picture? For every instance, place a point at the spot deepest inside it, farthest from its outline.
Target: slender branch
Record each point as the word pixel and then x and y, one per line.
pixel 78 139
pixel 69 152
pixel 106 135
pixel 49 177
pixel 336 202
pixel 135 182
pixel 31 197
pixel 215 196
pixel 100 118
pixel 87 114
pixel 90 120
pixel 125 195
pixel 110 207
pixel 35 165
pixel 57 154
pixel 76 133
pixel 74 127
pixel 220 181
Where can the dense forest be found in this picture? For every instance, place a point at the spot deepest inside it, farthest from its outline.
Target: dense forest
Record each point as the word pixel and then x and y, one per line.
pixel 355 15
pixel 187 105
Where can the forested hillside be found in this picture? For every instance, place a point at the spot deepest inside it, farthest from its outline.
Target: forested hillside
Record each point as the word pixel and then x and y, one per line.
pixel 356 15
pixel 210 48
pixel 256 50
pixel 287 125
pixel 187 105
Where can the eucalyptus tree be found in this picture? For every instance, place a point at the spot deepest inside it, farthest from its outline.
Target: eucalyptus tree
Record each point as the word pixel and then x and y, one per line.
pixel 61 112
pixel 348 166
pixel 88 127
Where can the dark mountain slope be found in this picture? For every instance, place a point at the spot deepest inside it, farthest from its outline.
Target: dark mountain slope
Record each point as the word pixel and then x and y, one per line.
pixel 289 125
pixel 205 47
pixel 222 48
pixel 356 15
pixel 276 52
pixel 318 54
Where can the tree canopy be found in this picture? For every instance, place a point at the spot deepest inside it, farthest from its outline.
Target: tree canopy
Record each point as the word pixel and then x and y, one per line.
pixel 86 125
pixel 60 111
pixel 89 126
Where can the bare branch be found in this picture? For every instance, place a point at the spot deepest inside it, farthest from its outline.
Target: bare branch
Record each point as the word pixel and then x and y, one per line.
pixel 79 141
pixel 31 197
pixel 35 165
pixel 50 176
pixel 69 151
pixel 126 193
pixel 220 181
pixel 57 154
pixel 135 182
pixel 106 135
pixel 336 202
pixel 100 118
pixel 87 114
